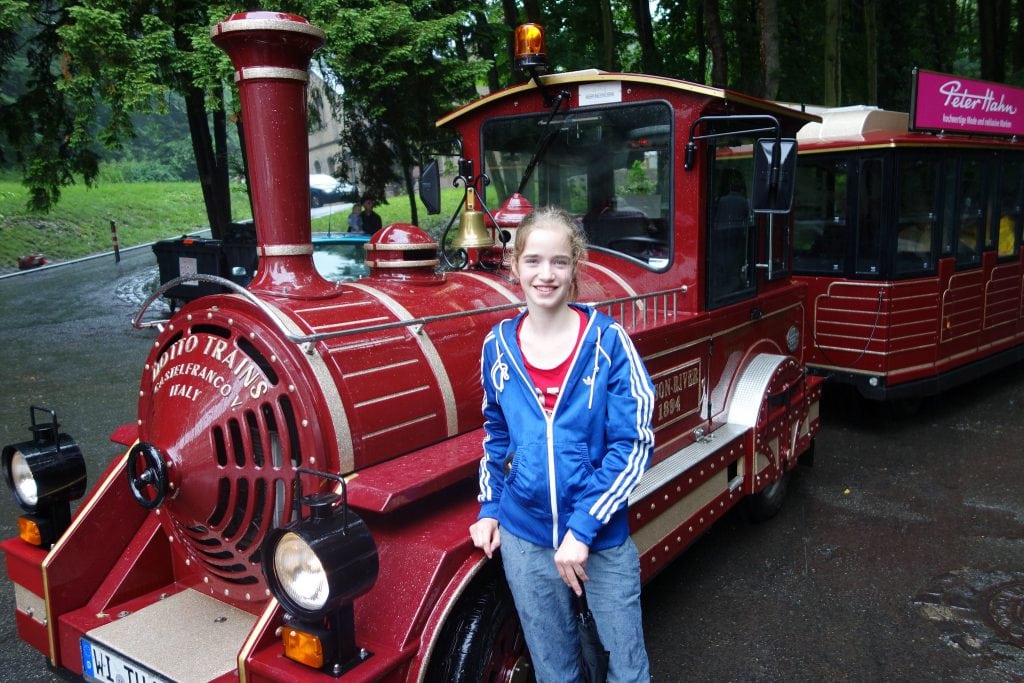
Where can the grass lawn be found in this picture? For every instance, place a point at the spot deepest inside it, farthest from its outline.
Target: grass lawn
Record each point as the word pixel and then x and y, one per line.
pixel 143 212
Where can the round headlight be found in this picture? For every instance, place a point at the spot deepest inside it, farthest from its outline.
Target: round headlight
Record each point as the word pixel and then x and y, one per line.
pixel 300 572
pixel 22 481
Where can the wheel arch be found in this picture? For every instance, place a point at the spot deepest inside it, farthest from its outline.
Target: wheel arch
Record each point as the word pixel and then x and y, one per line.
pixel 458 586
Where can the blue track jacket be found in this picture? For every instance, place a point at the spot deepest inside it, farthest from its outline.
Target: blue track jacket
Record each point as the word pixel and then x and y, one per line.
pixel 575 468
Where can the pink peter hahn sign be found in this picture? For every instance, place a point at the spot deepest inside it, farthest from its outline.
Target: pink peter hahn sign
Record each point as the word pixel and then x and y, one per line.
pixel 952 103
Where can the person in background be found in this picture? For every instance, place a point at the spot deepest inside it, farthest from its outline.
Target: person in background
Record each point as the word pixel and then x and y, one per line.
pixel 568 408
pixel 371 220
pixel 355 219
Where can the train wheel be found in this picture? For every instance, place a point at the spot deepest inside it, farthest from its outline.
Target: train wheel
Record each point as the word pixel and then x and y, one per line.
pixel 903 408
pixel 482 640
pixel 767 502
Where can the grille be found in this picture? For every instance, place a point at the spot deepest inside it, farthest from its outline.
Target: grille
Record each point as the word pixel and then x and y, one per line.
pixel 256 456
pixel 235 464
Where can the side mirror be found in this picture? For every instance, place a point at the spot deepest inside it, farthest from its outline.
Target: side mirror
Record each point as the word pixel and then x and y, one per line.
pixel 774 175
pixel 430 187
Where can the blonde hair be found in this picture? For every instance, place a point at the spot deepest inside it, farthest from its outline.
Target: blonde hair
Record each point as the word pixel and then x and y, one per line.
pixel 554 218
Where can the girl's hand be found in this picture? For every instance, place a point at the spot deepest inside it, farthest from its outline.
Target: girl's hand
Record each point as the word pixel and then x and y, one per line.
pixel 570 559
pixel 485 535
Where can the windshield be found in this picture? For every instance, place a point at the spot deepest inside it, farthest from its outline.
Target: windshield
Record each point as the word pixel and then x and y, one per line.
pixel 610 167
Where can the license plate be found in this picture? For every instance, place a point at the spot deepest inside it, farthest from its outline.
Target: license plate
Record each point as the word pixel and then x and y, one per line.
pixel 106 666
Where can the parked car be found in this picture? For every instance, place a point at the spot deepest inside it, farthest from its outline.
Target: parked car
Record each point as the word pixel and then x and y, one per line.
pixel 326 189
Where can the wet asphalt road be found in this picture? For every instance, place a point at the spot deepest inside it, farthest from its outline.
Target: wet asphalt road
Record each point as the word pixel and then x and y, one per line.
pixel 898 557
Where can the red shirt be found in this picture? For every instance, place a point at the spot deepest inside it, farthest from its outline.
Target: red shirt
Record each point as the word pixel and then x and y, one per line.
pixel 548 382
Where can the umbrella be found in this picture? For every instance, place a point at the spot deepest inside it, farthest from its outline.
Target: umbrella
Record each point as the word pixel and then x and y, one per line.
pixel 593 656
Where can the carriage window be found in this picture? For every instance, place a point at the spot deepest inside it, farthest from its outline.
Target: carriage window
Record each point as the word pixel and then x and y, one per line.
pixel 970 213
pixel 610 167
pixel 917 218
pixel 820 216
pixel 1007 221
pixel 731 226
pixel 869 203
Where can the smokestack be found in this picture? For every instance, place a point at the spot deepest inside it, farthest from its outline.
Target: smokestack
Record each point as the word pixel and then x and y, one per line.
pixel 271 52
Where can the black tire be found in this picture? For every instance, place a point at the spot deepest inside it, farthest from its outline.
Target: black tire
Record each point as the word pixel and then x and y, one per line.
pixel 315 201
pixel 482 640
pixel 904 408
pixel 767 502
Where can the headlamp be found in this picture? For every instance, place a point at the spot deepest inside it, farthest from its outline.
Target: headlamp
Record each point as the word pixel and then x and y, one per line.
pixel 45 475
pixel 316 567
pixel 302 574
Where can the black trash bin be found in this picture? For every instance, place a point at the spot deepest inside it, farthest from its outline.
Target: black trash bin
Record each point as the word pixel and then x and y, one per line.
pixel 188 256
pixel 240 257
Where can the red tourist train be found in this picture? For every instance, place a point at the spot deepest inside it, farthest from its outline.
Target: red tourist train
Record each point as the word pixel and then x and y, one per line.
pixel 296 493
pixel 908 236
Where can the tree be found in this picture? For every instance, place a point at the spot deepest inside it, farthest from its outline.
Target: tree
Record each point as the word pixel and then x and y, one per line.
pixel 93 64
pixel 768 15
pixel 37 123
pixel 871 51
pixel 831 61
pixel 716 41
pixel 400 70
pixel 650 60
pixel 993 28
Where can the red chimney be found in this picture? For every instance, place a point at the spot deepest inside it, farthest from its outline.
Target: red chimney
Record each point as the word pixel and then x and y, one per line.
pixel 271 52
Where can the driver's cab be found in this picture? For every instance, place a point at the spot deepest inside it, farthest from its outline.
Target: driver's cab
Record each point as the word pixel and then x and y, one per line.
pixel 609 166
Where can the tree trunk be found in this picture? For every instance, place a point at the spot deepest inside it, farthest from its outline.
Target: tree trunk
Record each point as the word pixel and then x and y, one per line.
pixel 511 13
pixel 607 37
pixel 716 41
pixel 487 46
pixel 532 10
pixel 993 29
pixel 650 61
pixel 405 154
pixel 833 82
pixel 702 44
pixel 240 131
pixel 769 16
pixel 871 49
pixel 1017 42
pixel 211 165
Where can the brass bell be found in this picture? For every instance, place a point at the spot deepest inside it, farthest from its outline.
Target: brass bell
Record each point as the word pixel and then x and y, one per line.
pixel 472 233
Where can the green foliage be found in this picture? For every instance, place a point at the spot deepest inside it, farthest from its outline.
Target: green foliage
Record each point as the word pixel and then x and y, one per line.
pixel 637 181
pixel 80 224
pixel 401 70
pixel 76 74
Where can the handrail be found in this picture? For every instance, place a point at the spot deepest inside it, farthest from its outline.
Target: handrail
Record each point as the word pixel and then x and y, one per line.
pixel 309 339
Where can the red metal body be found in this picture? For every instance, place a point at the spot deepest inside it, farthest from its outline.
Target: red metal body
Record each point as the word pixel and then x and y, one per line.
pixel 937 311
pixel 378 380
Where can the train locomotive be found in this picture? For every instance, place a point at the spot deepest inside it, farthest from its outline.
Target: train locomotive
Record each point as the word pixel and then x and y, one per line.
pixel 294 497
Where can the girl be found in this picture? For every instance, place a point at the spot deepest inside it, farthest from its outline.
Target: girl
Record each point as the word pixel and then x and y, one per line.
pixel 567 414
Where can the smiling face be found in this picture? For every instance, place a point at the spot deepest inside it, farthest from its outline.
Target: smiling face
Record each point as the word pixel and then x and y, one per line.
pixel 545 267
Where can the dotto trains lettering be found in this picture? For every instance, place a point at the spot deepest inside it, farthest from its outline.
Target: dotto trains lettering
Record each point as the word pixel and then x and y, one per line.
pixel 222 369
pixel 305 453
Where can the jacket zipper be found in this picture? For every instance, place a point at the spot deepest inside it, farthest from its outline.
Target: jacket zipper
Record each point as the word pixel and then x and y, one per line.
pixel 550 419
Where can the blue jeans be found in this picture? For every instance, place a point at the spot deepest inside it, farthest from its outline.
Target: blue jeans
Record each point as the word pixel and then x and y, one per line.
pixel 545 608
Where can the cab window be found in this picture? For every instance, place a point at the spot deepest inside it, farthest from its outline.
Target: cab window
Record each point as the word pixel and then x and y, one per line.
pixel 611 167
pixel 732 228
